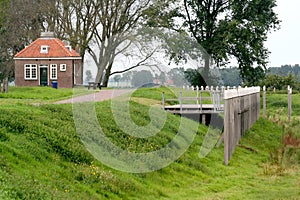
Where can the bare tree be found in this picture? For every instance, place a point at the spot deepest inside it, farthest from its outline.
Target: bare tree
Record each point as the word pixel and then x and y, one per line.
pixel 105 29
pixel 18 27
pixel 117 33
pixel 73 21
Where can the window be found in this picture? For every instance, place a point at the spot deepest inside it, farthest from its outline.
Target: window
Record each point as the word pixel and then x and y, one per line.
pixel 69 48
pixel 63 67
pixel 44 49
pixel 30 72
pixel 53 71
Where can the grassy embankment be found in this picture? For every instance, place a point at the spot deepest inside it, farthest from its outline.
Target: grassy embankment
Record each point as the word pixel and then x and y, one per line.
pixel 42 157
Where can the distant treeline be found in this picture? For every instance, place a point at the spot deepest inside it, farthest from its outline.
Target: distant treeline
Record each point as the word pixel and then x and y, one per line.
pixel 285 70
pixel 275 77
pixel 231 76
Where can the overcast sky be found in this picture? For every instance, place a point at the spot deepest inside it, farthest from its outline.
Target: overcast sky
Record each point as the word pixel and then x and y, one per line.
pixel 284 44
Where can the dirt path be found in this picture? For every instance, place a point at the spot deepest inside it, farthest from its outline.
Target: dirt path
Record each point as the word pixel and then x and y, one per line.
pixel 102 95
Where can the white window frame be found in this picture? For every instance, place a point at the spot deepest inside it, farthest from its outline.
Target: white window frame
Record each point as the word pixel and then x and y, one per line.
pixel 69 47
pixel 53 71
pixel 63 67
pixel 32 72
pixel 44 49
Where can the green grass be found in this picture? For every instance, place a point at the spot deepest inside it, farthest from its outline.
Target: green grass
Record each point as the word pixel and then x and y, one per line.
pixel 42 157
pixel 172 95
pixel 39 95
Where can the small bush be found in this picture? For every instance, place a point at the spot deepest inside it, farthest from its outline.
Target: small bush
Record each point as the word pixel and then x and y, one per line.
pixel 3 135
pixel 286 155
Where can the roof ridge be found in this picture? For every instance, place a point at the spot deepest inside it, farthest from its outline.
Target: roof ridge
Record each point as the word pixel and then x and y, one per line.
pixel 59 49
pixel 60 43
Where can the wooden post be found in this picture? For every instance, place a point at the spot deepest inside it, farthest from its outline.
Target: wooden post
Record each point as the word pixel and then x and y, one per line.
pixel 163 100
pixel 289 104
pixel 180 101
pixel 264 102
pixel 197 94
pixel 226 131
pixel 203 118
pixel 6 85
pixel 201 102
pixel 258 105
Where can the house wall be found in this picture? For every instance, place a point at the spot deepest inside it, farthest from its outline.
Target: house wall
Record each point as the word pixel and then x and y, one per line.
pixel 64 78
pixel 78 72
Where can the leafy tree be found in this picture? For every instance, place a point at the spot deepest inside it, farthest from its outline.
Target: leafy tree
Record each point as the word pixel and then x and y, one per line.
pixel 231 76
pixel 253 76
pixel 229 28
pixel 280 82
pixel 142 79
pixel 21 22
pixel 162 77
pixel 117 78
pixel 88 76
pixel 194 77
pixel 177 75
pixel 19 26
pixel 127 76
pixel 285 70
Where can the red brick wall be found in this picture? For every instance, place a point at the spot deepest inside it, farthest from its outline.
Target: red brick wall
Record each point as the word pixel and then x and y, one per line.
pixel 64 78
pixel 78 72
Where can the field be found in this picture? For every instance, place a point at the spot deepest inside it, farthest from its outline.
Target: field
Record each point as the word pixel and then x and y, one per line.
pixel 43 157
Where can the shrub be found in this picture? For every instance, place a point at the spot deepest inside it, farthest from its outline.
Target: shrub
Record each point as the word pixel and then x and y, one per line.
pixel 3 135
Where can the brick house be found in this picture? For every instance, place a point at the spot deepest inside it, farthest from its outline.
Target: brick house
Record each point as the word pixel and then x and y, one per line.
pixel 48 60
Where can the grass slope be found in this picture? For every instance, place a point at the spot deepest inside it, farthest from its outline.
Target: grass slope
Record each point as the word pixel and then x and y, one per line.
pixel 42 157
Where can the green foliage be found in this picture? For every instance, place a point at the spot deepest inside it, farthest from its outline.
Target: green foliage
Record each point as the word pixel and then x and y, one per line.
pixel 88 76
pixel 3 135
pixel 41 157
pixel 177 75
pixel 285 70
pixel 230 76
pixel 142 78
pixel 280 82
pixel 253 76
pixel 194 77
pixel 228 29
pixel 284 156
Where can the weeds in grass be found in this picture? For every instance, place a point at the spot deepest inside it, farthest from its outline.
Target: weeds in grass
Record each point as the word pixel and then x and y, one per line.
pixel 286 156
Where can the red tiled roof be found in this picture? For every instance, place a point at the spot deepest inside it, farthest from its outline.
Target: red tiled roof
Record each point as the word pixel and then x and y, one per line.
pixel 57 49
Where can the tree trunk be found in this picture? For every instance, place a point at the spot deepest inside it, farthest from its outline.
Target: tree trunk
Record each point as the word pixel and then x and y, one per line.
pixel 100 74
pixel 5 85
pixel 98 78
pixel 107 75
pixel 205 74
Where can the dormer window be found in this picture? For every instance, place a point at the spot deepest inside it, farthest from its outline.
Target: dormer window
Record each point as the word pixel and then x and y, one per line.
pixel 44 49
pixel 69 48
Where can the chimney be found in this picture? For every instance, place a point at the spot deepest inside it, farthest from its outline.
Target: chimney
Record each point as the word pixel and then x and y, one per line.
pixel 47 35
